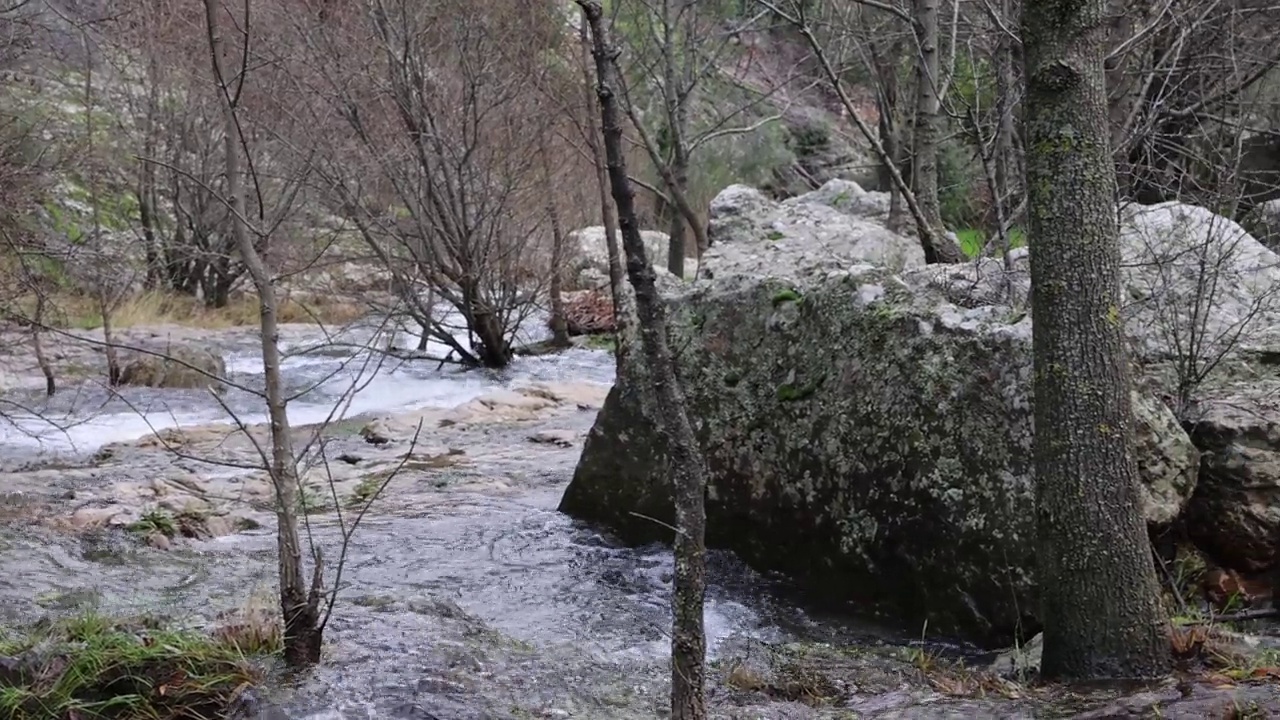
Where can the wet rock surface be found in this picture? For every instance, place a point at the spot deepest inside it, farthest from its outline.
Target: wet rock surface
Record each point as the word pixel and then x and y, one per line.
pixel 464 593
pixel 866 433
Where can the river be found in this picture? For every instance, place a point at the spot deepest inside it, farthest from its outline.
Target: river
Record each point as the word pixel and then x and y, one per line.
pixel 482 604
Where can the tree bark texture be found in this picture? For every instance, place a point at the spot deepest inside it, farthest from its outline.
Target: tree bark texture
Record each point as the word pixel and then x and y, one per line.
pixel 607 215
pixel 924 150
pixel 1100 605
pixel 302 633
pixel 686 464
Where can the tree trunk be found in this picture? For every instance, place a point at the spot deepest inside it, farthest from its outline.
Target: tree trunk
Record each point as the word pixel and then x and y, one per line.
pixel 559 326
pixel 109 340
pixel 686 464
pixel 37 345
pixel 1100 605
pixel 890 127
pixel 299 608
pixel 607 217
pixel 924 150
pixel 147 178
pixel 938 247
pixel 676 96
pixel 104 290
pixel 1004 148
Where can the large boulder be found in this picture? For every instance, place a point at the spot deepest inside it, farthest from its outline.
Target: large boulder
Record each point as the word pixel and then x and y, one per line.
pixel 591 266
pixel 866 433
pixel 1204 314
pixel 1196 285
pixel 175 367
pixel 830 227
pixel 1235 514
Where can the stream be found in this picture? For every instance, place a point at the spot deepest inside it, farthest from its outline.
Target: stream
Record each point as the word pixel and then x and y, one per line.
pixel 484 605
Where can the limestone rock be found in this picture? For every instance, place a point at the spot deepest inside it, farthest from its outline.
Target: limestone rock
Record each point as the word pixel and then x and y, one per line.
pixel 1235 513
pixel 174 367
pixel 865 433
pixel 849 198
pixel 592 269
pixel 520 404
pixel 755 236
pixel 1194 279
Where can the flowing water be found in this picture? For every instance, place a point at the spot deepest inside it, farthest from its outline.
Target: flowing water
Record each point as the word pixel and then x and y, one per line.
pixel 483 605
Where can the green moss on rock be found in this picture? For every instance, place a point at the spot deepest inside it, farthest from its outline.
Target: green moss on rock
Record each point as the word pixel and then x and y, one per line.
pixel 902 481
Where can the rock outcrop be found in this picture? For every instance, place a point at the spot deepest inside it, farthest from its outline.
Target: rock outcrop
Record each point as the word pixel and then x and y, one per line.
pixel 591 266
pixel 867 420
pixel 1235 514
pixel 829 227
pixel 175 367
pixel 1196 285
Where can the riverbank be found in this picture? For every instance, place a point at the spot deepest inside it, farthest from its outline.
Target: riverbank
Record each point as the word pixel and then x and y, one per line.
pixel 464 594
pixel 93 666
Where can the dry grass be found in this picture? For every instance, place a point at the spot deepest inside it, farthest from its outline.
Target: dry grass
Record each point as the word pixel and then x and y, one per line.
pixel 160 308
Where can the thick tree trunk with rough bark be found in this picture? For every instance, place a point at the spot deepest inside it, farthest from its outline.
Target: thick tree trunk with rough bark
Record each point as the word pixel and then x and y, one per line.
pixel 300 609
pixel 1100 605
pixel 687 466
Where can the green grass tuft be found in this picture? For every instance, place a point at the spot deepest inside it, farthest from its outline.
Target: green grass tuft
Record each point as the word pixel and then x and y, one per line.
pixel 97 668
pixel 972 240
pixel 785 296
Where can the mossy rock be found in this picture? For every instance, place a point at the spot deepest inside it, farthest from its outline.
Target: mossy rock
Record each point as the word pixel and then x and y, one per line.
pixel 874 444
pixel 175 367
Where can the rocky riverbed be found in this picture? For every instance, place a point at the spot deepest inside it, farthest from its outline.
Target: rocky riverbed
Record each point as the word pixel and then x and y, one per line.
pixel 463 594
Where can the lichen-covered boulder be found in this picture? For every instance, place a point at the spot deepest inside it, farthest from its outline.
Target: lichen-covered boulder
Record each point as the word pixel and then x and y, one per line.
pixel 830 226
pixel 175 367
pixel 865 434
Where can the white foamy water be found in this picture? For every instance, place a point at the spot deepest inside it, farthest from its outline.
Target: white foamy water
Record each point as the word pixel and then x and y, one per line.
pixel 319 379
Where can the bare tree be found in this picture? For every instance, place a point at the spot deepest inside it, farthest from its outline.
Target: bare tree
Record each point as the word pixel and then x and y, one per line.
pixel 437 171
pixel 681 50
pixel 938 246
pixel 688 468
pixel 299 605
pixel 1100 599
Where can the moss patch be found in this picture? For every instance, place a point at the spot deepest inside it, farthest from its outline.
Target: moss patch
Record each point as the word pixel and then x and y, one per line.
pixel 92 666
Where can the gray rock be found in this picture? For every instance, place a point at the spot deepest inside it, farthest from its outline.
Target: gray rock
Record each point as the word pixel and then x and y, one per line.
pixel 1196 284
pixel 1022 661
pixel 848 197
pixel 592 269
pixel 865 433
pixel 1235 514
pixel 175 366
pixel 754 236
pixel 1263 222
